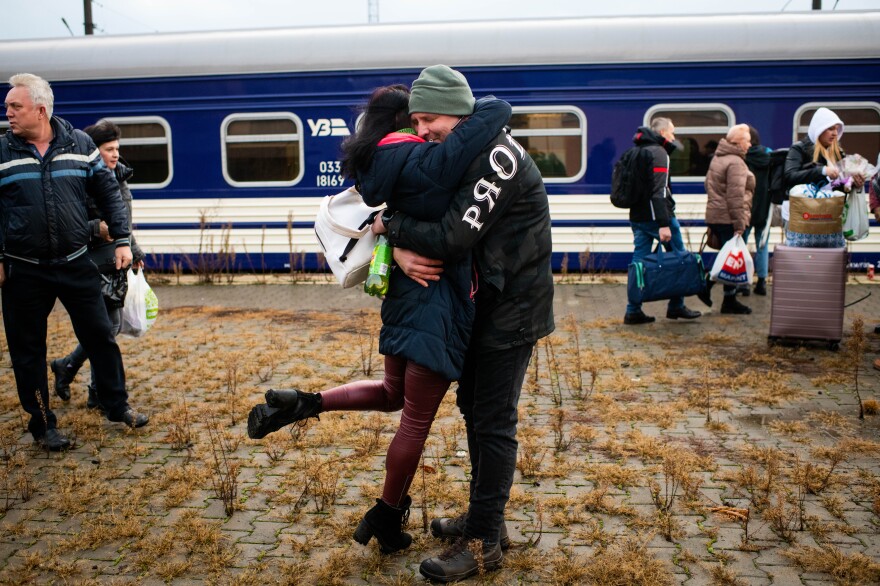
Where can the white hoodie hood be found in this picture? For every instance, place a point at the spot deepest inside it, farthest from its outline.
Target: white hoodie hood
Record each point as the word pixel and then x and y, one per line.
pixel 822 120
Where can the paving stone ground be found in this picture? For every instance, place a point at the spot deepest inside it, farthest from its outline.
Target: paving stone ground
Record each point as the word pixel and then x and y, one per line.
pixel 698 414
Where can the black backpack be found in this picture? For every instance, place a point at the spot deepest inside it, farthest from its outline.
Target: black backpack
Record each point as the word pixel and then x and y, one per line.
pixel 632 179
pixel 776 188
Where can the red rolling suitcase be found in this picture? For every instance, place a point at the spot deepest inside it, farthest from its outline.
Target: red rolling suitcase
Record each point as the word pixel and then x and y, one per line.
pixel 808 294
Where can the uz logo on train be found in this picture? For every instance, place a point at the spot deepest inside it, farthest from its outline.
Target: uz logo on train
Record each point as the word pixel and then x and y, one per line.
pixel 505 164
pixel 328 127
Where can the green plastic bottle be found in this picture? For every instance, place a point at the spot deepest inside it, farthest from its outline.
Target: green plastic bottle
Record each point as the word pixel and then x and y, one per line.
pixel 380 268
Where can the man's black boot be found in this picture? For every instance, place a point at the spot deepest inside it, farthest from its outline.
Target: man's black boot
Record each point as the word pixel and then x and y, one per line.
pixel 637 317
pixel 761 287
pixel 731 305
pixel 64 375
pixel 459 562
pixel 682 313
pixel 453 528
pixel 282 408
pixel 53 440
pixel 386 524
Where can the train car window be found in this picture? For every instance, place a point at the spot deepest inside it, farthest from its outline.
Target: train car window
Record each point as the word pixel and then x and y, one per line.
pixel 146 147
pixel 862 132
pixel 555 137
pixel 262 149
pixel 698 127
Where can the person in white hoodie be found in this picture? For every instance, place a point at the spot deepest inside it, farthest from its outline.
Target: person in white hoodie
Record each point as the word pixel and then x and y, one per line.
pixel 814 158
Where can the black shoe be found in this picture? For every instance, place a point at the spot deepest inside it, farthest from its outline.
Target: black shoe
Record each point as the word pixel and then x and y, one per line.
pixel 636 318
pixel 131 418
pixel 743 290
pixel 53 440
pixel 92 402
pixel 683 313
pixel 282 408
pixel 458 562
pixel 761 287
pixel 64 375
pixel 453 528
pixel 386 523
pixel 731 305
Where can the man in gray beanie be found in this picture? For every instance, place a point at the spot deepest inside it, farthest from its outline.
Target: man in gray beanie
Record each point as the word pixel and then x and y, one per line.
pixel 441 90
pixel 501 213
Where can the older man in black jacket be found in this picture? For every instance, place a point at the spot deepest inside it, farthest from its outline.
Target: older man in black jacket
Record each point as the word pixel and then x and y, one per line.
pixel 47 170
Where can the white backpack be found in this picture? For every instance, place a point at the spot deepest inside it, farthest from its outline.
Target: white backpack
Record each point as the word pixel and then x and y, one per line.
pixel 343 230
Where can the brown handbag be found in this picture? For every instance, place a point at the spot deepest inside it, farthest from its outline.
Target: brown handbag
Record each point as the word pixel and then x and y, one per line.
pixel 712 240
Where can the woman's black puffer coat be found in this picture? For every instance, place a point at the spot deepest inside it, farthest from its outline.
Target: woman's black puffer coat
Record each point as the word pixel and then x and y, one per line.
pixel 430 325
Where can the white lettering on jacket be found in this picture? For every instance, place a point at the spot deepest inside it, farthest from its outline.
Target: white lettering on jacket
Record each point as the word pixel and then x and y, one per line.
pixel 505 164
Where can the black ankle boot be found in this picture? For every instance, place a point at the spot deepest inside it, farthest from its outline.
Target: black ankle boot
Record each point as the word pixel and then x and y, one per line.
pixel 64 372
pixel 386 523
pixel 282 408
pixel 761 287
pixel 731 305
pixel 92 401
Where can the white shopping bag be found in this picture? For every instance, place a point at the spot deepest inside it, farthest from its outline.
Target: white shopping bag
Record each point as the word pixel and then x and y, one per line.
pixel 855 215
pixel 734 264
pixel 141 306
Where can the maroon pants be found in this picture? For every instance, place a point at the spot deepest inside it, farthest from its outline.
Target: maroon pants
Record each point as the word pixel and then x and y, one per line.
pixel 406 385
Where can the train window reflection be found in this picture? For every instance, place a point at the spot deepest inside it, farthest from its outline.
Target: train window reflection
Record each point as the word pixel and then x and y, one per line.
pixel 555 137
pixel 861 134
pixel 145 145
pixel 262 149
pixel 698 127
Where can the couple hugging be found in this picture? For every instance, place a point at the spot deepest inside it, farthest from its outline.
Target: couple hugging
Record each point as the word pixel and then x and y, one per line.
pixel 472 292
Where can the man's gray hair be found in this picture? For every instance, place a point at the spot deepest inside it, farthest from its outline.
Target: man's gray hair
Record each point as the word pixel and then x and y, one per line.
pixel 660 123
pixel 735 130
pixel 38 88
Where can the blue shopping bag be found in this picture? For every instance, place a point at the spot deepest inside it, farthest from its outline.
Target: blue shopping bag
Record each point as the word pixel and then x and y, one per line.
pixel 664 275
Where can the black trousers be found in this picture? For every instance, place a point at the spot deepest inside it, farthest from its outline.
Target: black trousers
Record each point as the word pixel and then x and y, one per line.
pixel 29 295
pixel 725 233
pixel 488 395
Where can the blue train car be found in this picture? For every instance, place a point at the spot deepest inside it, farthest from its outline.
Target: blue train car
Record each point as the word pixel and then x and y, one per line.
pixel 234 136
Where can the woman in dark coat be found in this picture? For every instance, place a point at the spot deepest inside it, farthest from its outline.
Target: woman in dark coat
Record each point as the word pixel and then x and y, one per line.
pixel 426 330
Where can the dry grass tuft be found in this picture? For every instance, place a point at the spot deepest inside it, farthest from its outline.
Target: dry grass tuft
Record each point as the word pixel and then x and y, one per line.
pixel 844 568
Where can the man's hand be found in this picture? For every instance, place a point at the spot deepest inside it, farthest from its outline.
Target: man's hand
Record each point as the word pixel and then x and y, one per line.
pixel 858 181
pixel 123 257
pixel 665 234
pixel 420 269
pixel 2 274
pixel 105 231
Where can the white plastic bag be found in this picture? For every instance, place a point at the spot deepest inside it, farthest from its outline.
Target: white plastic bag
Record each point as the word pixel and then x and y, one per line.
pixel 141 306
pixel 733 265
pixel 855 216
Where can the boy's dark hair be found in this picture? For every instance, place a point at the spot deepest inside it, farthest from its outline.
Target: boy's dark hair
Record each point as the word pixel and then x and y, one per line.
pixel 103 131
pixel 386 111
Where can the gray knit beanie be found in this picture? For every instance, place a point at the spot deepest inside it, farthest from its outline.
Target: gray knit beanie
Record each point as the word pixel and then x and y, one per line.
pixel 441 90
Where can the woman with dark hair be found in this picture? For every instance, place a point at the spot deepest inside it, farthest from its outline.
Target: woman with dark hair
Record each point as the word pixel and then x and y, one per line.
pixel 106 136
pixel 425 330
